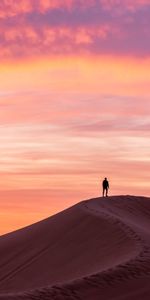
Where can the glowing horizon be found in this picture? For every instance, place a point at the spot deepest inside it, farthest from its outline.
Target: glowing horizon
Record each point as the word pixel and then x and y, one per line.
pixel 74 98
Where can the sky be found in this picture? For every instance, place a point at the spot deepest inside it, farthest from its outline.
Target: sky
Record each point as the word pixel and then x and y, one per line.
pixel 74 104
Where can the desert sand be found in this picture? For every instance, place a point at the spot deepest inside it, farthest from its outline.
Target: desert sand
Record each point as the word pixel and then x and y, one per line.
pixel 99 249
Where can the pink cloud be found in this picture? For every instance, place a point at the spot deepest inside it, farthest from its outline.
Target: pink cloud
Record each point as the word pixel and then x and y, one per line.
pixel 10 8
pixel 15 7
pixel 26 40
pixel 32 28
pixel 127 4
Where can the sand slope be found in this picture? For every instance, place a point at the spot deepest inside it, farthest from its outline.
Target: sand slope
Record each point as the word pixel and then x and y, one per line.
pixel 97 249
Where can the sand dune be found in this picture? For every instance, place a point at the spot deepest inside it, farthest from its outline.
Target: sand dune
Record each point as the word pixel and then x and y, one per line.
pixel 97 249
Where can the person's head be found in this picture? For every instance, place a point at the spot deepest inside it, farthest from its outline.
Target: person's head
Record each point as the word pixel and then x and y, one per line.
pixel 105 178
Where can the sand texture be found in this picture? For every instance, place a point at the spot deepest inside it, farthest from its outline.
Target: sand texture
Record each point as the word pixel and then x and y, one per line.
pixel 98 249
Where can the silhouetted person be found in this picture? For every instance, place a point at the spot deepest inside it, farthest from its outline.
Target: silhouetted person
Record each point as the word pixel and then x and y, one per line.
pixel 105 187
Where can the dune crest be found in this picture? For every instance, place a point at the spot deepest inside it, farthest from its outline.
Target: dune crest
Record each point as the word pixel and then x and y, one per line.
pixel 97 248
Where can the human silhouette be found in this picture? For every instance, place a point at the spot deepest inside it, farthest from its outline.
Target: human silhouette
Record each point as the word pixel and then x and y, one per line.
pixel 105 185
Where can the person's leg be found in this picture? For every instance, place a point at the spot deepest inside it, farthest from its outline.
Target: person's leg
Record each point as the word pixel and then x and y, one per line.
pixel 103 192
pixel 107 192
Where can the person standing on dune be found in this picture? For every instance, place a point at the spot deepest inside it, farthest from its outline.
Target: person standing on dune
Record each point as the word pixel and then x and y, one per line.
pixel 105 185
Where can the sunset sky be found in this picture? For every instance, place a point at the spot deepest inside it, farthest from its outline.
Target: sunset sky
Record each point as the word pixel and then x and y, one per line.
pixel 74 104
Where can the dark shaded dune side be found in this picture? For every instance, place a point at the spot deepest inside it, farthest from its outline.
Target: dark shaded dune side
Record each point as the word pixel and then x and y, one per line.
pixel 69 245
pixel 99 247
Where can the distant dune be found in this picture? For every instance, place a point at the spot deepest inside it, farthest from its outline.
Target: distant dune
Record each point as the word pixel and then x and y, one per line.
pixel 98 249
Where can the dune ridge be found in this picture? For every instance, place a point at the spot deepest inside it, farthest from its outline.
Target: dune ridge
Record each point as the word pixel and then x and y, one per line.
pixel 97 248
